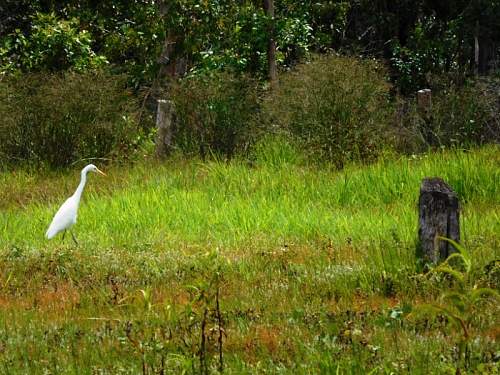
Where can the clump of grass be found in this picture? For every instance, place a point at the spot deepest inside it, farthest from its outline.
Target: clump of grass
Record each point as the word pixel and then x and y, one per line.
pixel 276 150
pixel 462 302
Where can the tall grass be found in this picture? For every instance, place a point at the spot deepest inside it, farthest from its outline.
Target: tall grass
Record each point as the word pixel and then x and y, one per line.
pixel 227 204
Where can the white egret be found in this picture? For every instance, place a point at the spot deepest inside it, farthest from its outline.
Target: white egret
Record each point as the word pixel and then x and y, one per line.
pixel 65 217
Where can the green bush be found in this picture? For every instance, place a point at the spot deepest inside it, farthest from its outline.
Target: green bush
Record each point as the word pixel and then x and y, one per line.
pixel 460 116
pixel 57 119
pixel 215 114
pixel 336 107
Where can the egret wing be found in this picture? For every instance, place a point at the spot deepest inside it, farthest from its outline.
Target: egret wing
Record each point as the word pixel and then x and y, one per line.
pixel 64 218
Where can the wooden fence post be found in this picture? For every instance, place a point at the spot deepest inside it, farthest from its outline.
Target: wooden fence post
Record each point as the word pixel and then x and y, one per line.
pixel 424 107
pixel 424 102
pixel 438 216
pixel 164 124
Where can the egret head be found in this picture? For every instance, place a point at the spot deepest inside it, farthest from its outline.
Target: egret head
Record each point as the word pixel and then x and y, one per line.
pixel 92 168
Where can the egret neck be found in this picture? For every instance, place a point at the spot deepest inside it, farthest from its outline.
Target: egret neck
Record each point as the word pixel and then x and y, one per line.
pixel 83 181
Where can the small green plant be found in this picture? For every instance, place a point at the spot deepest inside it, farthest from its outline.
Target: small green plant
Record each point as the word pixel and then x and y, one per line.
pixel 206 311
pixel 198 327
pixel 461 303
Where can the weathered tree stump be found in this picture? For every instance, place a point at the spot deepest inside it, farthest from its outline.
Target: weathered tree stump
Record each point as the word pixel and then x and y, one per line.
pixel 438 216
pixel 164 125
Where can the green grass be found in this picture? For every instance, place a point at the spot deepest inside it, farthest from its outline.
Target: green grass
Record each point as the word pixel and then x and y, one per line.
pixel 317 267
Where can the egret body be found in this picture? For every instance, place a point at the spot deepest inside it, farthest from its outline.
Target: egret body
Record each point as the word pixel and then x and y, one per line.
pixel 65 217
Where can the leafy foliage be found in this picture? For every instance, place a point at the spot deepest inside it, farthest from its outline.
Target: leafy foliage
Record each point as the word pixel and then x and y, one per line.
pixel 208 35
pixel 150 41
pixel 462 115
pixel 227 34
pixel 420 36
pixel 53 44
pixel 432 48
pixel 328 20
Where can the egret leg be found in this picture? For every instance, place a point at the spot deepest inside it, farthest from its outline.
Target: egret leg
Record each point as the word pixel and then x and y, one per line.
pixel 64 233
pixel 74 238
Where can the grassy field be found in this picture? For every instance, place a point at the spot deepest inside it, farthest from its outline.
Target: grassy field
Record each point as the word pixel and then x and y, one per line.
pixel 274 266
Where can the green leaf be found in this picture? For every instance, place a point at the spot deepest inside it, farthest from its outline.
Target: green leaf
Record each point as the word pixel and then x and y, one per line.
pixel 456 255
pixel 462 250
pixel 482 293
pixel 457 299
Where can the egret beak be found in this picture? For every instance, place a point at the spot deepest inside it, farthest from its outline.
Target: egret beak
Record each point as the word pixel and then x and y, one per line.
pixel 101 172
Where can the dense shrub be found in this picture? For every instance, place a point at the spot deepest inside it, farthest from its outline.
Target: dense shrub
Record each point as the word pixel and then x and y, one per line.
pixel 337 107
pixel 215 114
pixel 460 116
pixel 57 119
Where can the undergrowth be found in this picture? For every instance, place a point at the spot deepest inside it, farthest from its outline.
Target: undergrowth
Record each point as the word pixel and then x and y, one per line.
pixel 96 119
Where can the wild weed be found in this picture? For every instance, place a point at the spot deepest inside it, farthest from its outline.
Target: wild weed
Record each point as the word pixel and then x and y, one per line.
pixel 461 302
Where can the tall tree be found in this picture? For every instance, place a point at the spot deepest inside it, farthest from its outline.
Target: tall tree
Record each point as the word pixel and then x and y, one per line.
pixel 271 46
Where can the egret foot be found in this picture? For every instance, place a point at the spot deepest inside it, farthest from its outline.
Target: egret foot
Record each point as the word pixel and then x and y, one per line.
pixel 74 238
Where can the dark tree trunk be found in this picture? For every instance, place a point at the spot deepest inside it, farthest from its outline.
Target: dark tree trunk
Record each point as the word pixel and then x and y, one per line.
pixel 487 51
pixel 271 45
pixel 438 216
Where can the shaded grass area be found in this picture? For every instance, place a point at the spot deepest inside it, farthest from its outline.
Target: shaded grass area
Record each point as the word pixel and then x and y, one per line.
pixel 315 268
